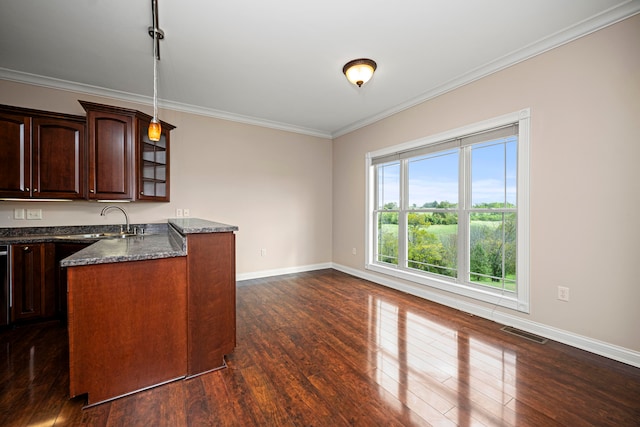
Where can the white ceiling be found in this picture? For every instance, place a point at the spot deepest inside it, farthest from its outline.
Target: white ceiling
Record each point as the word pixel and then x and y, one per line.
pixel 278 63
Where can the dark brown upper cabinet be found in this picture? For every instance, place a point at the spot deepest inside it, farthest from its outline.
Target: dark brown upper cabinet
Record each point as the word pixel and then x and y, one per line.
pixel 58 149
pixel 123 163
pixel 42 154
pixel 111 153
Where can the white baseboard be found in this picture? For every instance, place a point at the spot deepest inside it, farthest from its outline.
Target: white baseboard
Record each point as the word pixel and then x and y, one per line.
pixel 281 271
pixel 601 348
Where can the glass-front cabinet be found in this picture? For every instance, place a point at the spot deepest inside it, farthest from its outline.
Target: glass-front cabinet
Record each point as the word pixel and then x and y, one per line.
pixel 153 166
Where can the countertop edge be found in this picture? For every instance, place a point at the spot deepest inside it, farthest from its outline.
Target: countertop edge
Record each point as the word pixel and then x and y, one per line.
pixel 197 226
pixel 118 259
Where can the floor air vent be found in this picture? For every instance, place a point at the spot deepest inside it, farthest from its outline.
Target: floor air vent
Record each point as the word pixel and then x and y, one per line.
pixel 523 334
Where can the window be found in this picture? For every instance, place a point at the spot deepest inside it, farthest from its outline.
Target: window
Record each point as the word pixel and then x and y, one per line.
pixel 451 211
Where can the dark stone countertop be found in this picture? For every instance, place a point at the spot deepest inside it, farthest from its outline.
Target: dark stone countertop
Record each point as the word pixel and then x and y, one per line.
pixel 134 248
pixel 14 235
pixel 158 241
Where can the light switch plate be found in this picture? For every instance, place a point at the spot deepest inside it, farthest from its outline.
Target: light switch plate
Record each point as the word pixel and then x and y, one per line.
pixel 18 213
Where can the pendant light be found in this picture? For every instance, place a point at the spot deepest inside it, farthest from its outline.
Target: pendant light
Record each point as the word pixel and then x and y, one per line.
pixel 155 129
pixel 359 71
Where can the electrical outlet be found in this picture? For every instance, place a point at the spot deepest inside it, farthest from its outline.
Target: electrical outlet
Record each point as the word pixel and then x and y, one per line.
pixel 18 213
pixel 178 213
pixel 353 251
pixel 263 252
pixel 34 213
pixel 563 293
pixel 186 212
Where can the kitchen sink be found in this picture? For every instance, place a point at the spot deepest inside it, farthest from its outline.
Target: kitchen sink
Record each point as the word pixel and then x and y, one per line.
pixel 94 236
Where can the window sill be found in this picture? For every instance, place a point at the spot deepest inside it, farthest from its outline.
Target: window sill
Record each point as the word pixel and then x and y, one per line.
pixel 497 298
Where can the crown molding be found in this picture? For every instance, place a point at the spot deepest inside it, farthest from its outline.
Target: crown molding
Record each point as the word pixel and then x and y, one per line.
pixel 53 83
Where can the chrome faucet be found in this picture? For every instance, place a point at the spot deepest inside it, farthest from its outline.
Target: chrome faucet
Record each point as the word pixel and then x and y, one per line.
pixel 126 217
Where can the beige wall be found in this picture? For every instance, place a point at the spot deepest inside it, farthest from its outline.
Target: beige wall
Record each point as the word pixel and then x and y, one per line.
pixel 585 180
pixel 274 185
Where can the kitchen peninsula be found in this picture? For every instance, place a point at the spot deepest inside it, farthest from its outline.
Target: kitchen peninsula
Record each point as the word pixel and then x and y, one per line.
pixel 149 309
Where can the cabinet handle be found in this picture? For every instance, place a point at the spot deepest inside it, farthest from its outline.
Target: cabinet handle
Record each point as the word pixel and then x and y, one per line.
pixel 91 191
pixel 35 190
pixel 26 248
pixel 27 189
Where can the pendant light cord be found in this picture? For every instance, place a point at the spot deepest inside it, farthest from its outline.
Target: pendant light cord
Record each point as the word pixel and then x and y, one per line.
pixel 155 72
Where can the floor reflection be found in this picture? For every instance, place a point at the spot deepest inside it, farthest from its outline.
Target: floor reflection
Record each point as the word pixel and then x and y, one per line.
pixel 439 373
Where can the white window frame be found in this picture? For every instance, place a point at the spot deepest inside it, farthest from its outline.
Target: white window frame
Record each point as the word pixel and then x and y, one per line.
pixel 517 301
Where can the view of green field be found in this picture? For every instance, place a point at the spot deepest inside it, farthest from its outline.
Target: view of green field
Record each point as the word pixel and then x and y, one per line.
pixel 433 247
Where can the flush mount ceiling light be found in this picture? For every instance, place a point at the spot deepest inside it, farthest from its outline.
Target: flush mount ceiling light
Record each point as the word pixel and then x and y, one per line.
pixel 359 71
pixel 154 127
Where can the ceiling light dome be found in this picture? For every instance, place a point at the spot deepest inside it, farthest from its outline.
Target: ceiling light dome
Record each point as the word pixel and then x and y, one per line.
pixel 359 71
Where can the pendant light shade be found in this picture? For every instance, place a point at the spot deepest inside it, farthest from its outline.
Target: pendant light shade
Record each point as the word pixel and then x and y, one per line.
pixel 359 71
pixel 154 130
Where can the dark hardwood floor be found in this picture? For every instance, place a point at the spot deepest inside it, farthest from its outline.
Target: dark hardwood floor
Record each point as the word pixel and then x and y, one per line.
pixel 327 349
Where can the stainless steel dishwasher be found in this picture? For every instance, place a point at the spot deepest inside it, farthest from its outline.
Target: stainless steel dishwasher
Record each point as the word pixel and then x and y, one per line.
pixel 5 289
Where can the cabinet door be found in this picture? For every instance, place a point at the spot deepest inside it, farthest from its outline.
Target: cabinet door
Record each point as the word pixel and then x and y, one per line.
pixel 15 155
pixel 27 272
pixel 111 155
pixel 58 159
pixel 153 165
